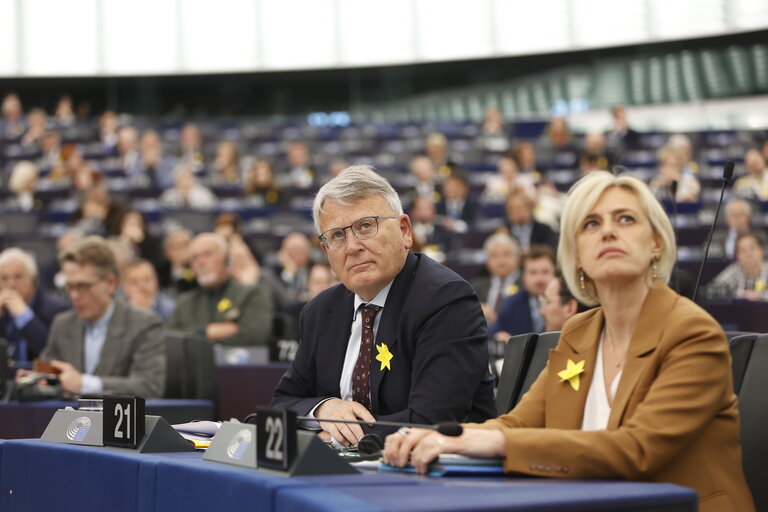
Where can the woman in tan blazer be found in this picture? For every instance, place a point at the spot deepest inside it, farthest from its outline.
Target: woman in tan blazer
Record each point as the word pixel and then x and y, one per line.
pixel 639 388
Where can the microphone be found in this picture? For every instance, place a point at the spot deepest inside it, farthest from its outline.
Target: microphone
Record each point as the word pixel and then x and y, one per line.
pixel 727 175
pixel 447 428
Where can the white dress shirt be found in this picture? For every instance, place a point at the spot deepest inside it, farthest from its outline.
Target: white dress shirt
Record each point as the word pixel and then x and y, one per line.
pixel 597 409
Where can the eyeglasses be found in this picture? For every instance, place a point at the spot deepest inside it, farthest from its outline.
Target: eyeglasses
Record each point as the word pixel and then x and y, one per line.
pixel 81 287
pixel 363 229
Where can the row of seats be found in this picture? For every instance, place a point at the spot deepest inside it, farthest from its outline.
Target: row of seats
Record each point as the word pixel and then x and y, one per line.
pixel 526 356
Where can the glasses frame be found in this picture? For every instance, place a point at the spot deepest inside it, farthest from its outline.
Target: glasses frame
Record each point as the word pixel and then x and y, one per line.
pixel 375 218
pixel 84 287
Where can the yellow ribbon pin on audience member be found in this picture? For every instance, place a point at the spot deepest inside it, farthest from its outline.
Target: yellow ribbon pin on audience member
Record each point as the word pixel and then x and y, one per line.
pixel 384 356
pixel 223 305
pixel 571 374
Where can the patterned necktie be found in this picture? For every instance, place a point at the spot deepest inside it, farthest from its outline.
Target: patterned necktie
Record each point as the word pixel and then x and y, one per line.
pixel 361 374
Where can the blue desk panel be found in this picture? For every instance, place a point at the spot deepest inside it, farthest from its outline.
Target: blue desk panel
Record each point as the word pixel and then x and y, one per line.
pixel 36 475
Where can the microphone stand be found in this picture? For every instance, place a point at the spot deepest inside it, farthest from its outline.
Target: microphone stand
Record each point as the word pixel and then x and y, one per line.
pixel 727 175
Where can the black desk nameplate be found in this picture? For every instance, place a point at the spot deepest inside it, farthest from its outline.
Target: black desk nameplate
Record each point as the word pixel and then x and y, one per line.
pixel 123 421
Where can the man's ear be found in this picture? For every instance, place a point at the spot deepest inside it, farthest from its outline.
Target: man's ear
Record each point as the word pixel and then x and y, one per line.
pixel 405 229
pixel 571 307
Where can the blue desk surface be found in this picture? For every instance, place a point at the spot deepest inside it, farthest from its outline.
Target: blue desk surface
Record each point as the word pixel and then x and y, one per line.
pixel 36 475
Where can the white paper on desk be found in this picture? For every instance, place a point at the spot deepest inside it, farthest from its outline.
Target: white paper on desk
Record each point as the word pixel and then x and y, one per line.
pixel 199 428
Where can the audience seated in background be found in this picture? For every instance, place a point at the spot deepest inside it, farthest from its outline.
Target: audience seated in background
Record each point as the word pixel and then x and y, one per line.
pixel 50 146
pixel 596 144
pixel 427 181
pixel 187 192
pixel 190 151
pixel 134 231
pixel 37 124
pixel 155 168
pixel 225 169
pixel 108 136
pixel 506 179
pixel 521 313
pixel 747 277
pixel 12 123
pixel 521 224
pixel 98 214
pixel 336 166
pixel 754 185
pixel 299 173
pixel 321 277
pixel 64 114
pixel 26 309
pixel 221 309
pixel 294 258
pixel 620 137
pixel 436 239
pixel 671 167
pixel 140 286
pixel 103 345
pixel 524 155
pixel 557 304
pixel 128 151
pixel 51 276
pixel 23 184
pixel 175 272
pixel 436 149
pixel 501 274
pixel 262 188
pixel 683 144
pixel 738 215
pixel 457 207
pixel 429 332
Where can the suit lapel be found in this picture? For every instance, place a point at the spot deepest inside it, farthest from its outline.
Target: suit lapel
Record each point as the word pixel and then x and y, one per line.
pixel 332 349
pixel 111 349
pixel 387 331
pixel 565 406
pixel 650 326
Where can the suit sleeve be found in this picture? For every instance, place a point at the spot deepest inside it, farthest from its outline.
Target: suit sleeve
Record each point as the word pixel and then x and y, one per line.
pixel 692 385
pixel 255 321
pixel 146 377
pixel 450 357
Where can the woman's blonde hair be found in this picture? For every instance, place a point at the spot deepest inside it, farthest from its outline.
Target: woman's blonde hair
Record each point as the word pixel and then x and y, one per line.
pixel 582 197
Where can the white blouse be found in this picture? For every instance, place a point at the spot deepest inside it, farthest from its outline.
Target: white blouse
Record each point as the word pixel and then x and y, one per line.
pixel 597 409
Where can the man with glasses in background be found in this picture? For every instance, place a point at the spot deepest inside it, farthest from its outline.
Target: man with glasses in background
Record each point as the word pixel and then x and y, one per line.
pixel 103 345
pixel 402 338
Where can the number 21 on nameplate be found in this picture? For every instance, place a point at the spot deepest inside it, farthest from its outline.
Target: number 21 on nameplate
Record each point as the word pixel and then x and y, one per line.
pixel 123 421
pixel 275 438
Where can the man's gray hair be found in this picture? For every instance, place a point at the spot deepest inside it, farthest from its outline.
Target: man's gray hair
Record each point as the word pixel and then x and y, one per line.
pixel 353 184
pixel 14 253
pixel 502 239
pixel 735 202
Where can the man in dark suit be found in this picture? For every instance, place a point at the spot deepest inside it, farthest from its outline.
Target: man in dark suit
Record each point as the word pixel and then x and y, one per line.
pixel 103 345
pixel 401 339
pixel 519 313
pixel 27 310
pixel 523 226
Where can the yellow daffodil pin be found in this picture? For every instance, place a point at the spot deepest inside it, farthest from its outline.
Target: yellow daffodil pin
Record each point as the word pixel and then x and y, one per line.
pixel 223 305
pixel 571 374
pixel 760 285
pixel 512 289
pixel 384 356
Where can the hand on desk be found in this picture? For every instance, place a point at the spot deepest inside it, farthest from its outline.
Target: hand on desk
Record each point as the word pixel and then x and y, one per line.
pixel 217 331
pixel 420 447
pixel 337 409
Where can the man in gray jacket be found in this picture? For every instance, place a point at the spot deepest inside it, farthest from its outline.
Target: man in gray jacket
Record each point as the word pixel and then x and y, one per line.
pixel 103 345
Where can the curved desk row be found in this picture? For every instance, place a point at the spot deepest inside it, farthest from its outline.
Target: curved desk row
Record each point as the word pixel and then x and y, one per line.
pixel 36 475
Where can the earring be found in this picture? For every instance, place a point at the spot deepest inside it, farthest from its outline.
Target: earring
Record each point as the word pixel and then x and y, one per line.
pixel 581 280
pixel 654 269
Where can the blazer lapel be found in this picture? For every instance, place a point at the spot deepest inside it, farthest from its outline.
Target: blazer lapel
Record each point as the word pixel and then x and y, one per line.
pixel 650 325
pixel 565 406
pixel 332 349
pixel 110 351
